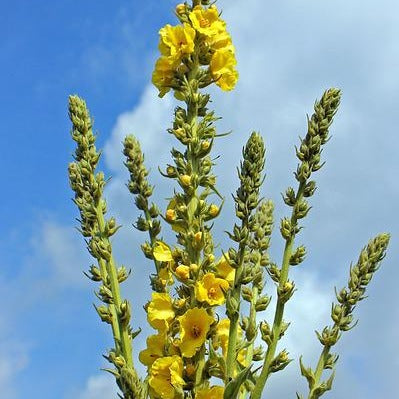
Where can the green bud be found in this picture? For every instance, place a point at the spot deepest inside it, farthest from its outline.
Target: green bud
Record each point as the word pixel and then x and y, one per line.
pixel 94 273
pixel 309 189
pixel 286 228
pixel 147 250
pixel 104 313
pixel 122 274
pixel 257 354
pixel 298 256
pixel 105 294
pixel 280 362
pixel 246 293
pixel 266 332
pixel 290 197
pixel 262 303
pixel 125 312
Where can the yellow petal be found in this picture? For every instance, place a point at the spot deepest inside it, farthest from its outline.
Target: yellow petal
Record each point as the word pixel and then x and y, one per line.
pixel 162 252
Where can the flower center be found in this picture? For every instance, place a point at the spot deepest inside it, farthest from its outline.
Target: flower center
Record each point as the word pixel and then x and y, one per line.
pixel 204 23
pixel 196 331
pixel 212 292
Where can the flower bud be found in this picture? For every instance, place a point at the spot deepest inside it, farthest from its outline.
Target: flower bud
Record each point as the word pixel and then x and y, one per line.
pixel 171 171
pixel 213 210
pixel 185 180
pixel 193 268
pixel 170 215
pixel 181 8
pixel 183 272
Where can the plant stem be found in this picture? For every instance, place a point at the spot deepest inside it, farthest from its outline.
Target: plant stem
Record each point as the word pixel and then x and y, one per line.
pixel 122 338
pixel 236 295
pixel 279 312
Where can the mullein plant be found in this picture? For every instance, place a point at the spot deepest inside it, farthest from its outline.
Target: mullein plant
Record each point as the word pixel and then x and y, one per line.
pixel 206 343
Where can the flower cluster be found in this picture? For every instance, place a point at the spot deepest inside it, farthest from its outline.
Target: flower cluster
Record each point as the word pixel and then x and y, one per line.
pixel 204 309
pixel 200 39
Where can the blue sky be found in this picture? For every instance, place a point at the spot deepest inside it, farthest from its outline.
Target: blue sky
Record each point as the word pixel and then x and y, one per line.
pixel 288 52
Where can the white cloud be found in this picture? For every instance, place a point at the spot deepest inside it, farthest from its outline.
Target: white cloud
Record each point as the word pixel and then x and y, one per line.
pixel 99 387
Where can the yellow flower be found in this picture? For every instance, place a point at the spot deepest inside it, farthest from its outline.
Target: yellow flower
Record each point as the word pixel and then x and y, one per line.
pixel 206 21
pixel 162 252
pixel 221 339
pixel 163 75
pixel 222 67
pixel 166 377
pixel 194 326
pixel 222 40
pixel 224 270
pixel 176 41
pixel 155 348
pixel 210 289
pixel 215 392
pixel 160 311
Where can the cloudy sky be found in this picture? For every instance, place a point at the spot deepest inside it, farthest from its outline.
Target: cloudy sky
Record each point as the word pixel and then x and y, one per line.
pixel 288 52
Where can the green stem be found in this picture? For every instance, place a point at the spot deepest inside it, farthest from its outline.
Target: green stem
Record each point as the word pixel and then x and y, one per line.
pixel 319 369
pixel 252 319
pixel 121 330
pixel 236 296
pixel 279 312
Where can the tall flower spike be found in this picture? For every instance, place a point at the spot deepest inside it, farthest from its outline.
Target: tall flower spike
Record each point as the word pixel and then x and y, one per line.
pixel 309 154
pixel 341 313
pixel 88 187
pixel 246 200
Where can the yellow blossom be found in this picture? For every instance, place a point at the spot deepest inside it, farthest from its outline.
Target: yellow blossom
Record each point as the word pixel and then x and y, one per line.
pixel 155 349
pixel 160 311
pixel 215 392
pixel 222 40
pixel 166 377
pixel 162 252
pixel 222 67
pixel 194 327
pixel 206 21
pixel 224 270
pixel 210 289
pixel 183 272
pixel 163 75
pixel 176 41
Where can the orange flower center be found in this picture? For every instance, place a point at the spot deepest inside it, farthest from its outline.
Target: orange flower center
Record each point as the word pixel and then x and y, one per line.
pixel 196 331
pixel 204 23
pixel 212 292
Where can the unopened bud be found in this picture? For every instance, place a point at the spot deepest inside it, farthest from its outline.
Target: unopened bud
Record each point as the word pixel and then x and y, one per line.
pixel 185 180
pixel 183 272
pixel 213 210
pixel 170 215
pixel 181 9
